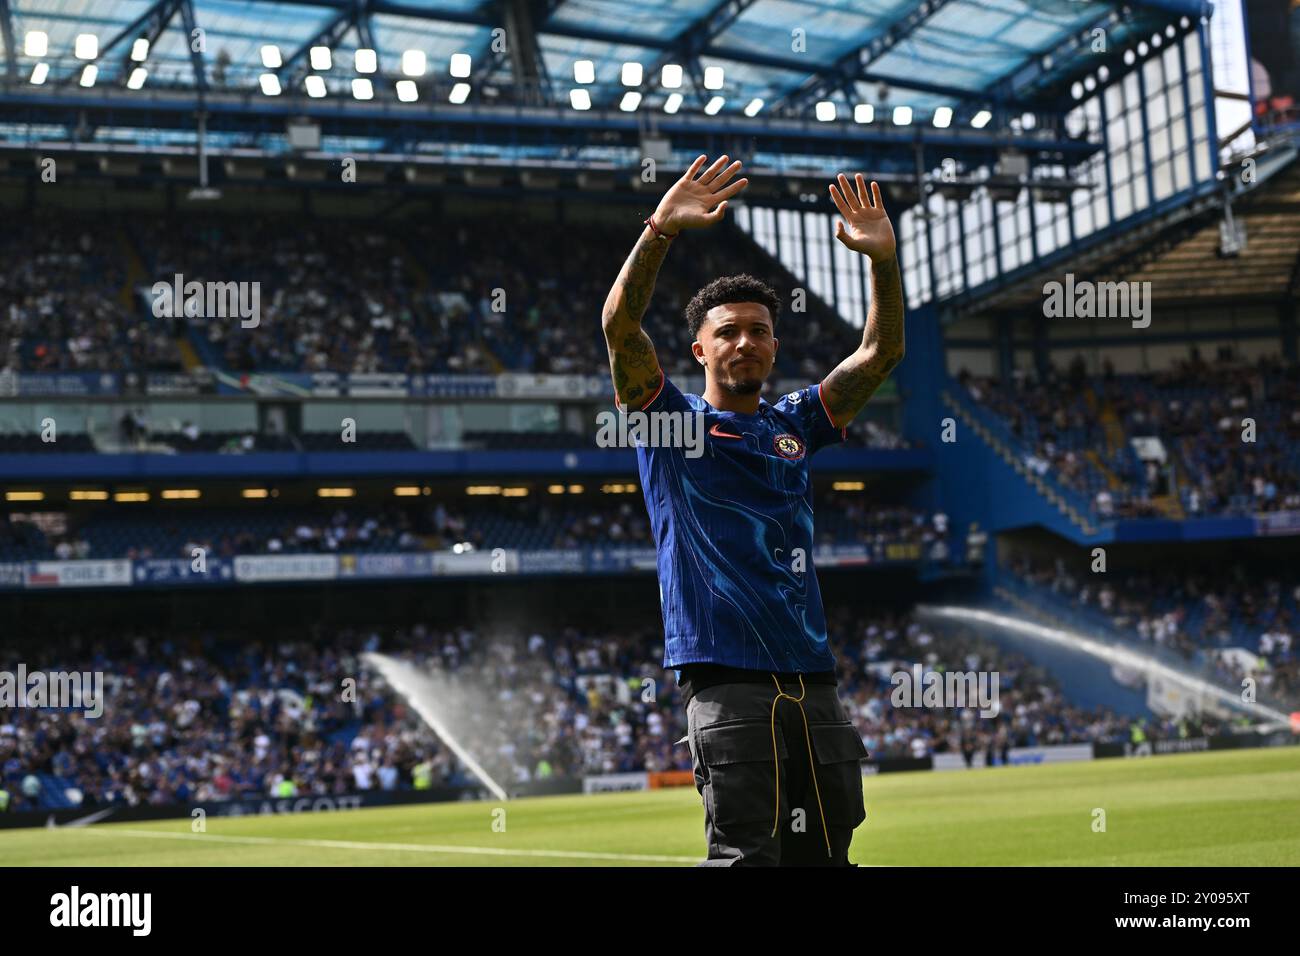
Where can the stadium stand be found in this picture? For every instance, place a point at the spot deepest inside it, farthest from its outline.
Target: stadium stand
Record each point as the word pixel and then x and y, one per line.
pixel 216 715
pixel 64 304
pixel 358 296
pixel 1197 614
pixel 531 523
pixel 1081 430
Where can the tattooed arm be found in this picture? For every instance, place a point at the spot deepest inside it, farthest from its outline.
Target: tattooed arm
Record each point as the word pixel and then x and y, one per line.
pixel 632 360
pixel 847 389
pixel 689 204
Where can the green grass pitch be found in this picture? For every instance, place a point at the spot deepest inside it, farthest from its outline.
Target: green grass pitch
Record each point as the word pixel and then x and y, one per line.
pixel 1237 808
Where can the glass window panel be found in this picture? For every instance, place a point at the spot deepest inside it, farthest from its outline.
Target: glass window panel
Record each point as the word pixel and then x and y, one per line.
pixel 974 245
pixel 1114 100
pixel 1201 154
pixel 1100 212
pixel 1159 144
pixel 1153 75
pixel 1157 109
pixel 791 241
pixel 1117 133
pixel 1119 170
pixel 1134 119
pixel 1178 135
pixel 1083 221
pixel 848 292
pixel 1163 180
pixel 1182 171
pixel 810 225
pixel 1137 156
pixel 1123 201
pixel 1176 105
pixel 1140 195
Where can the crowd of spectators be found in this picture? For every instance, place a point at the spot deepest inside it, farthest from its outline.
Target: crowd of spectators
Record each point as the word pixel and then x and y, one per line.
pixel 340 297
pixel 537 522
pixel 1227 434
pixel 360 296
pixel 199 717
pixel 64 306
pixel 1197 614
pixel 554 292
pixel 1033 711
pixel 1235 428
pixel 1051 423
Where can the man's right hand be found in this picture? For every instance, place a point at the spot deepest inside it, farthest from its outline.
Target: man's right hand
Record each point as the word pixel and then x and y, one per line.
pixel 690 203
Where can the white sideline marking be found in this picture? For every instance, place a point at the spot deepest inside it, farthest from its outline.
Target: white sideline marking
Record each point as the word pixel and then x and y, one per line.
pixel 406 847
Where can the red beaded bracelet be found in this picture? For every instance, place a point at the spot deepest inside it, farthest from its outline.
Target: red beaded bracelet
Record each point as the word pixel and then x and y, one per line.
pixel 650 221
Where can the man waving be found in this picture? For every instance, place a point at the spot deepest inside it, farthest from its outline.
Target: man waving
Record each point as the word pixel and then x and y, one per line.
pixel 776 758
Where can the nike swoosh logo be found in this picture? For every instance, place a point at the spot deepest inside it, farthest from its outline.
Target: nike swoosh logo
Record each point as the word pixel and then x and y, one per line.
pixel 80 822
pixel 717 434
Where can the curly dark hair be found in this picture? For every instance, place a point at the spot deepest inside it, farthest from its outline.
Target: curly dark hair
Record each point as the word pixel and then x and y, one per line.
pixel 741 288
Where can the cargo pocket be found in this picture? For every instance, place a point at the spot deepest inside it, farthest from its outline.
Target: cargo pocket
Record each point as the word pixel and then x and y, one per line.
pixel 741 776
pixel 839 752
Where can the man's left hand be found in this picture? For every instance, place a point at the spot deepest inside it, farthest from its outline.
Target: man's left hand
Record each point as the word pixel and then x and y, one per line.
pixel 868 229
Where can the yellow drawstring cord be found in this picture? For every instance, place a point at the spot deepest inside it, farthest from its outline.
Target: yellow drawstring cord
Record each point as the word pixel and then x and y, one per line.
pixel 812 762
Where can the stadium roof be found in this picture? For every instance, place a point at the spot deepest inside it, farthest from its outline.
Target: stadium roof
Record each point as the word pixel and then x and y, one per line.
pixel 948 62
pixel 927 54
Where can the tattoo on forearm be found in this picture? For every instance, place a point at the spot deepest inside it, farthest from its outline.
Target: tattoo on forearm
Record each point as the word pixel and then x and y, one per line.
pixel 851 385
pixel 630 296
pixel 634 377
pixel 637 349
pixel 885 321
pixel 848 388
pixel 632 359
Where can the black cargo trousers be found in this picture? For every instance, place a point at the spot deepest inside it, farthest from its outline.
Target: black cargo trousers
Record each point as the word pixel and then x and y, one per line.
pixel 741 774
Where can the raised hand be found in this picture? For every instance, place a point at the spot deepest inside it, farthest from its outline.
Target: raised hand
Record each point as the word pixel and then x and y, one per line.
pixel 691 201
pixel 868 229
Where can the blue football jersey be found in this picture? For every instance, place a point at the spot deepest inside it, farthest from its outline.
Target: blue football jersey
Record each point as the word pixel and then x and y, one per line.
pixel 734 530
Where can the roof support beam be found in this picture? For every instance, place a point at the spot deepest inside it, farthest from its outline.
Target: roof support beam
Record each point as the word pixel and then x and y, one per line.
pixel 470 17
pixel 297 65
pixel 163 13
pixel 526 61
pixel 489 61
pixel 151 24
pixel 697 36
pixel 7 31
pixel 155 18
pixel 197 59
pixel 853 65
pixel 366 34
